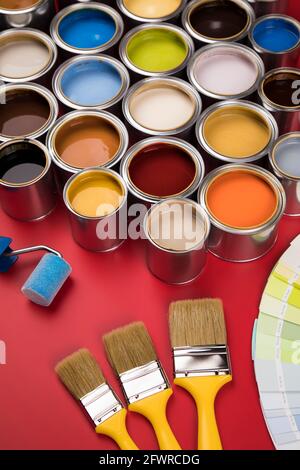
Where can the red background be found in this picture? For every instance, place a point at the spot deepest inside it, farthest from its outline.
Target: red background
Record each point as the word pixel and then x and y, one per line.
pixel 104 292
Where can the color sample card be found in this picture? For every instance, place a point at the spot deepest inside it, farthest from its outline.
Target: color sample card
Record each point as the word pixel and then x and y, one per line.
pixel 276 350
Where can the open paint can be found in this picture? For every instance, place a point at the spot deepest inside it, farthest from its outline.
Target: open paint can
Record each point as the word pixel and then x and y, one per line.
pixel 97 81
pixel 26 13
pixel 96 202
pixel 84 139
pixel 223 71
pixel 245 204
pixel 209 21
pixel 285 163
pixel 26 55
pixel 27 110
pixel 266 7
pixel 156 50
pixel 277 39
pixel 86 28
pixel 162 106
pixel 150 11
pixel 176 232
pixel 236 132
pixel 161 167
pixel 27 185
pixel 279 92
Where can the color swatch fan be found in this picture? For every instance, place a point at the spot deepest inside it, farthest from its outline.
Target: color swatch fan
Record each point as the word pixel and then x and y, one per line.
pixel 276 350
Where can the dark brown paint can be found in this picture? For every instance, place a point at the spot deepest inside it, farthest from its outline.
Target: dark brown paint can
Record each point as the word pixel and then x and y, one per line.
pixel 27 110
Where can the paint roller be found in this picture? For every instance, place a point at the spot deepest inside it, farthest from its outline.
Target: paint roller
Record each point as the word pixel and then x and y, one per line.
pixel 47 278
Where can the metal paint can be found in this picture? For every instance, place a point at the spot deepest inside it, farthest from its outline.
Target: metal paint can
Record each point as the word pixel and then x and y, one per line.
pixel 239 66
pixel 276 38
pixel 210 21
pixel 176 232
pixel 235 132
pixel 246 230
pixel 66 3
pixel 153 11
pixel 279 92
pixel 27 185
pixel 83 139
pixel 285 162
pixel 162 106
pixel 96 202
pixel 87 28
pixel 156 50
pixel 96 82
pixel 31 14
pixel 26 55
pixel 267 7
pixel 161 167
pixel 28 110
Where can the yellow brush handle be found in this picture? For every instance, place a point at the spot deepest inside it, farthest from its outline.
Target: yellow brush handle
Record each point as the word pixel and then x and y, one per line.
pixel 154 409
pixel 204 391
pixel 115 427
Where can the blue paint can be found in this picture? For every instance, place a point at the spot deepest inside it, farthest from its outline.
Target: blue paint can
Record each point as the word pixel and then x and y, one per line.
pixel 87 28
pixel 98 82
pixel 277 39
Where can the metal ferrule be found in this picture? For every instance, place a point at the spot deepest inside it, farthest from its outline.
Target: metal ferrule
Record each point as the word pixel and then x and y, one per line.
pixel 235 48
pixel 43 75
pixel 63 170
pixel 8 88
pixel 290 183
pixel 266 115
pixel 272 59
pixel 139 19
pixel 126 160
pixel 136 71
pixel 140 132
pixel 54 28
pixel 59 74
pixel 202 40
pixel 101 404
pixel 287 118
pixel 198 361
pixel 35 16
pixel 145 381
pixel 247 244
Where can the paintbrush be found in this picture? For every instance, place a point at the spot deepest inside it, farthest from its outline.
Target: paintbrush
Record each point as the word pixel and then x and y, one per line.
pixel 131 353
pixel 201 360
pixel 82 376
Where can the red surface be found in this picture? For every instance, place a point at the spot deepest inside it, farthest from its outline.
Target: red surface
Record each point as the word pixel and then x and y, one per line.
pixel 106 291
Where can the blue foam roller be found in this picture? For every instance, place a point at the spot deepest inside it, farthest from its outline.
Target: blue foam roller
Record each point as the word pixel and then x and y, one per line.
pixel 6 261
pixel 47 279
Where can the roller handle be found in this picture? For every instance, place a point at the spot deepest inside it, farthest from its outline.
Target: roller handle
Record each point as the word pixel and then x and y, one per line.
pixel 115 428
pixel 204 391
pixel 154 409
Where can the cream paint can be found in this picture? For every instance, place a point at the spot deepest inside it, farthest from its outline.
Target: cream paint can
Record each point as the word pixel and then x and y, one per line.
pixel 245 204
pixel 176 233
pixel 235 131
pixel 26 55
pixel 161 106
pixel 284 160
pixel 239 67
pixel 26 14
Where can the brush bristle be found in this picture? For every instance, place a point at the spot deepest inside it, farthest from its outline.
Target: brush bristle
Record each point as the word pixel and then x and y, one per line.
pixel 129 347
pixel 198 322
pixel 80 373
